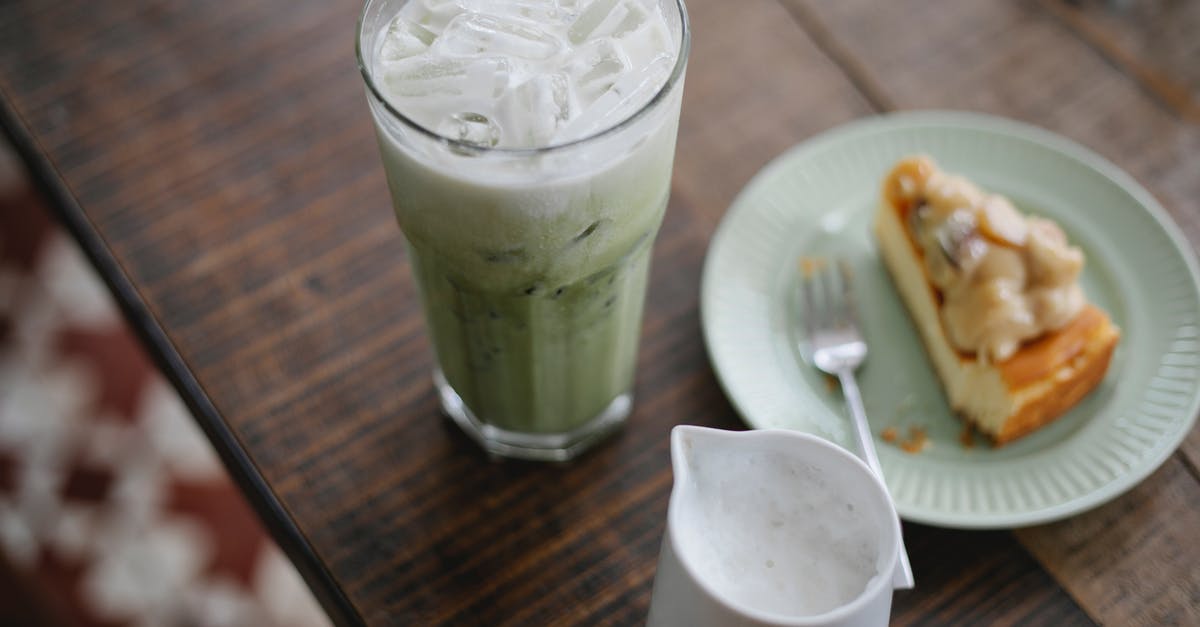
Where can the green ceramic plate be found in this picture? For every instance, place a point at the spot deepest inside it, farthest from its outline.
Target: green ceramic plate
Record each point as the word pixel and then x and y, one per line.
pixel 819 198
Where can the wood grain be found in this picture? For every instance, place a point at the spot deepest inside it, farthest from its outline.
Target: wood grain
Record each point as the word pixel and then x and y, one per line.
pixel 1154 41
pixel 994 581
pixel 756 85
pixel 218 165
pixel 1132 562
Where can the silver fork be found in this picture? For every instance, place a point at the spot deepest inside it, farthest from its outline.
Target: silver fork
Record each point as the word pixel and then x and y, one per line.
pixel 835 345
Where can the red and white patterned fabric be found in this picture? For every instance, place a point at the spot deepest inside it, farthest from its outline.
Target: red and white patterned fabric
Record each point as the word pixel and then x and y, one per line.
pixel 113 506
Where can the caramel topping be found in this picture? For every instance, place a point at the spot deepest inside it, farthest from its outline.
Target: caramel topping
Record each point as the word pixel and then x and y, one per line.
pixel 1002 278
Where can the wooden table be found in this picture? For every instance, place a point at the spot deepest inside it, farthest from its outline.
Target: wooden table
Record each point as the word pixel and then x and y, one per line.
pixel 216 161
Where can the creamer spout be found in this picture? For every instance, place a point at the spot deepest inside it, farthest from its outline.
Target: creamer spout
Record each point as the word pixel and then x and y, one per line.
pixel 690 445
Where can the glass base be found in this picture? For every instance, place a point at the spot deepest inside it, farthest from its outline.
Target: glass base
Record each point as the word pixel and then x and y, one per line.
pixel 546 447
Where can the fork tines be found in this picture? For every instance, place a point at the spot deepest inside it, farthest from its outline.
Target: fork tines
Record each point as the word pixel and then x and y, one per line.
pixel 827 297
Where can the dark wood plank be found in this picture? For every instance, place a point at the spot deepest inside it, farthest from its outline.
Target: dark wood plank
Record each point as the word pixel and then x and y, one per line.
pixel 978 578
pixel 219 165
pixel 1132 562
pixel 756 85
pixel 1020 63
pixel 1154 41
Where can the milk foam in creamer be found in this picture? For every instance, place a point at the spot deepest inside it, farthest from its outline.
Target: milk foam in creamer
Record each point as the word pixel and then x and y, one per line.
pixel 770 547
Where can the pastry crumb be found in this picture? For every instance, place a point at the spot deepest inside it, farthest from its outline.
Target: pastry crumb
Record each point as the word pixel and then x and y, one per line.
pixel 916 439
pixel 916 442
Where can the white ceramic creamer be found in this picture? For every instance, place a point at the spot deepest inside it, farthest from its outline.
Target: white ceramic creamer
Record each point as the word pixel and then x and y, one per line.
pixel 773 527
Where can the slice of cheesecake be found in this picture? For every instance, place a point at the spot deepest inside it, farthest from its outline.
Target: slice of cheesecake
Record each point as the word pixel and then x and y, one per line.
pixel 995 297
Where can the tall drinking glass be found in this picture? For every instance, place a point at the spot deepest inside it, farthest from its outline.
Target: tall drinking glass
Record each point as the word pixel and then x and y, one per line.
pixel 528 225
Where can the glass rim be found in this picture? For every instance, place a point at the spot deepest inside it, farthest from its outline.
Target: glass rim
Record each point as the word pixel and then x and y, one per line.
pixel 685 43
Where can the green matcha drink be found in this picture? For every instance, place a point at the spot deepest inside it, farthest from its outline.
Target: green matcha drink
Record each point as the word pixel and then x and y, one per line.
pixel 528 147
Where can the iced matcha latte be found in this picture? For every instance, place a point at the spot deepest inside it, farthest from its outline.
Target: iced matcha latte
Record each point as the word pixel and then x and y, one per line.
pixel 528 148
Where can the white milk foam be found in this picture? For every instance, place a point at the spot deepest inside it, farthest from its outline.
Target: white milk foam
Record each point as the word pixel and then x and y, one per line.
pixel 524 73
pixel 770 547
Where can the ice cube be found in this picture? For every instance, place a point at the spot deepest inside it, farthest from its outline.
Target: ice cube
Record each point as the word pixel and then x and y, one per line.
pixel 650 38
pixel 608 18
pixel 536 11
pixel 536 109
pixel 404 39
pixel 473 128
pixel 592 16
pixel 433 14
pixel 424 77
pixel 473 34
pixel 595 66
pixel 630 91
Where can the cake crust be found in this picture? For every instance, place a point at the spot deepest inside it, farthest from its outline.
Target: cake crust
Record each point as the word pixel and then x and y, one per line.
pixel 1071 382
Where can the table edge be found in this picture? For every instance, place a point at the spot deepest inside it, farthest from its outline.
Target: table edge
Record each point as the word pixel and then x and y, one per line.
pixel 153 338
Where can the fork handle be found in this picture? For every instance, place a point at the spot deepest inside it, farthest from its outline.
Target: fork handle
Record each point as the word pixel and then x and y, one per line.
pixel 866 447
pixel 862 430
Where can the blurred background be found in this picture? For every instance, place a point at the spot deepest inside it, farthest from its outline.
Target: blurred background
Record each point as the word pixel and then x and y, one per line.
pixel 114 509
